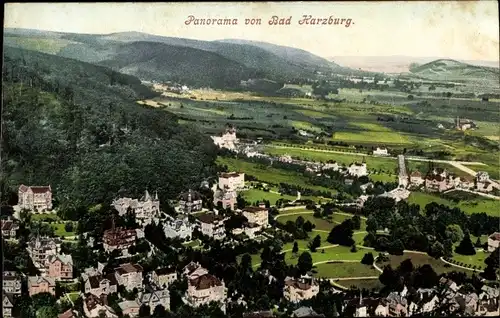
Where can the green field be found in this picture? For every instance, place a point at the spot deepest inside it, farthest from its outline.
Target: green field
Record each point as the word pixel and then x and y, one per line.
pixel 372 163
pixel 477 260
pixel 362 283
pixel 478 205
pixel 269 174
pixel 44 217
pixel 254 195
pixel 59 230
pixel 341 270
pixel 321 224
pixel 419 260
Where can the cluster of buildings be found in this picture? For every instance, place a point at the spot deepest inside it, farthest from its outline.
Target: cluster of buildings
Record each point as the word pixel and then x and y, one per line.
pixel 424 301
pixel 440 180
pixel 227 140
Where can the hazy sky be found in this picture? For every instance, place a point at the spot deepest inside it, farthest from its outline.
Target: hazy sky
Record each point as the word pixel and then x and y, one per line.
pixel 463 30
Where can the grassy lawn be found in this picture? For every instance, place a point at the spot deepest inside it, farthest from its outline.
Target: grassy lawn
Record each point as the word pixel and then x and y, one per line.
pixel 478 205
pixel 321 224
pixel 382 137
pixel 362 283
pixel 44 217
pixel 383 177
pixel 59 230
pixel 268 174
pixel 373 163
pixel 193 243
pixel 74 296
pixel 477 259
pixel 254 195
pixel 341 270
pixel 419 260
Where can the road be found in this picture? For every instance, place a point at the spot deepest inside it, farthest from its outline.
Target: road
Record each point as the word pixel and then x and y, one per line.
pixel 486 195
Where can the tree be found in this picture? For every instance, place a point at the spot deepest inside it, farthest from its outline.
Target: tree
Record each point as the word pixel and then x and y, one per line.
pixel 308 226
pixel 492 264
pixel 68 227
pixel 478 243
pixel 356 222
pixel 354 249
pixel 159 312
pixel 389 277
pixel 371 224
pixel 342 234
pixel 368 259
pixel 454 233
pixel 304 263
pixel 47 312
pixel 396 247
pixel 246 261
pixel 466 247
pixel 437 250
pixel 315 243
pixel 144 311
pixel 295 248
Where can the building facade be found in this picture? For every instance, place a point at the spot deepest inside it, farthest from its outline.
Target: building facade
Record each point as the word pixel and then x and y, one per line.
pixel 232 181
pixel 180 227
pixel 39 284
pixel 493 241
pixel 190 201
pixel 11 282
pixel 205 289
pixel 163 277
pixel 60 266
pixel 119 239
pixel 258 215
pixel 9 228
pixel 145 209
pixel 129 275
pixel 296 290
pixel 101 285
pixel 212 225
pixel 41 248
pixel 35 198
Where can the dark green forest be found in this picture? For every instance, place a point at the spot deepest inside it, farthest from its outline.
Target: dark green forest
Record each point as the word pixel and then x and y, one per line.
pixel 77 127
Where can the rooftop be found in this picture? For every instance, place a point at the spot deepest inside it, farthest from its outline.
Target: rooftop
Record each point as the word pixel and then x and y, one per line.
pixel 205 281
pixel 254 209
pixel 128 268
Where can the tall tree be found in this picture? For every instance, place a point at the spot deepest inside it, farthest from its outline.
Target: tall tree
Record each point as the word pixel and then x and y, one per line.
pixel 466 247
pixel 304 263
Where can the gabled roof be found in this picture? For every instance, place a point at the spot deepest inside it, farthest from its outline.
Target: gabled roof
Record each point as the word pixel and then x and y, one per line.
pixel 128 268
pixel 10 298
pixel 254 209
pixel 63 258
pixel 165 271
pixel 205 281
pixel 35 189
pixel 36 280
pixel 95 281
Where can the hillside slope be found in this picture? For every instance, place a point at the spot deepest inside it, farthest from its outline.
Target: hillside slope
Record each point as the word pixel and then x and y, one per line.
pixel 77 127
pixel 452 70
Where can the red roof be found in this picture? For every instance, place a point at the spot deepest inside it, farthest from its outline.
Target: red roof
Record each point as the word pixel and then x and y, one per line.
pixel 35 189
pixel 205 281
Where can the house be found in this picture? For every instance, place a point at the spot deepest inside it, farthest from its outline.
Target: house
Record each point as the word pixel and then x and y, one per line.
pixel 163 277
pixel 154 297
pixel 179 227
pixel 190 201
pixel 258 215
pixel 483 183
pixel 285 159
pixel 426 300
pixel 60 266
pixel 493 241
pixel 489 302
pixel 101 285
pixel 145 209
pixel 228 140
pixel 194 270
pixel 330 165
pixel 39 284
pixel 9 228
pixel 212 225
pixel 68 314
pixel 129 275
pixel 305 312
pixel 232 181
pixel 416 179
pixel 436 182
pixel 95 307
pixel 380 152
pixel 397 194
pixel 464 124
pixel 130 308
pixel 249 229
pixel 466 303
pixel 11 282
pixel 41 248
pixel 449 284
pixel 7 305
pixel 467 183
pixel 227 198
pixel 205 289
pixel 118 239
pixel 482 176
pixel 35 198
pixel 397 305
pixel 296 290
pixel 357 169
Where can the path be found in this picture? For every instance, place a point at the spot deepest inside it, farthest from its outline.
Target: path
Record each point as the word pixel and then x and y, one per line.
pixel 459 266
pixel 491 196
pixel 353 278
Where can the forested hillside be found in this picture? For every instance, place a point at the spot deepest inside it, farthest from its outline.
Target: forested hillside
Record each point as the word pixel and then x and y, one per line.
pixel 77 127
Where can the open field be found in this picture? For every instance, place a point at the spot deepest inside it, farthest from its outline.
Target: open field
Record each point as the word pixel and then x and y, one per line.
pixel 362 283
pixel 341 270
pixel 59 230
pixel 321 224
pixel 477 260
pixel 418 260
pixel 254 195
pixel 478 205
pixel 269 174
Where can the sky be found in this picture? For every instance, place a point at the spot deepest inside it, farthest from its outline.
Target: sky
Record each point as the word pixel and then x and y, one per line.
pixel 466 30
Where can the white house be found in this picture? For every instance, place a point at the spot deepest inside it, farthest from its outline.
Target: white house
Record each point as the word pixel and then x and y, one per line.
pixel 227 198
pixel 416 179
pixel 258 215
pixel 357 169
pixel 232 181
pixel 380 152
pixel 285 159
pixel 35 198
pixel 228 140
pixel 249 229
pixel 190 201
pixel 180 227
pixel 130 308
pixel 296 290
pixel 212 225
pixel 163 277
pixel 397 194
pixel 331 166
pixel 493 241
pixel 205 289
pixel 129 275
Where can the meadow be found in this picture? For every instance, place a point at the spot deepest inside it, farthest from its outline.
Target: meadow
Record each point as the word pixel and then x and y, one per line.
pixel 478 205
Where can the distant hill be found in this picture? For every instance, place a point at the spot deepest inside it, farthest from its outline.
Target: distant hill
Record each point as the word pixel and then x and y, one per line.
pixel 394 64
pixel 207 62
pixel 452 70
